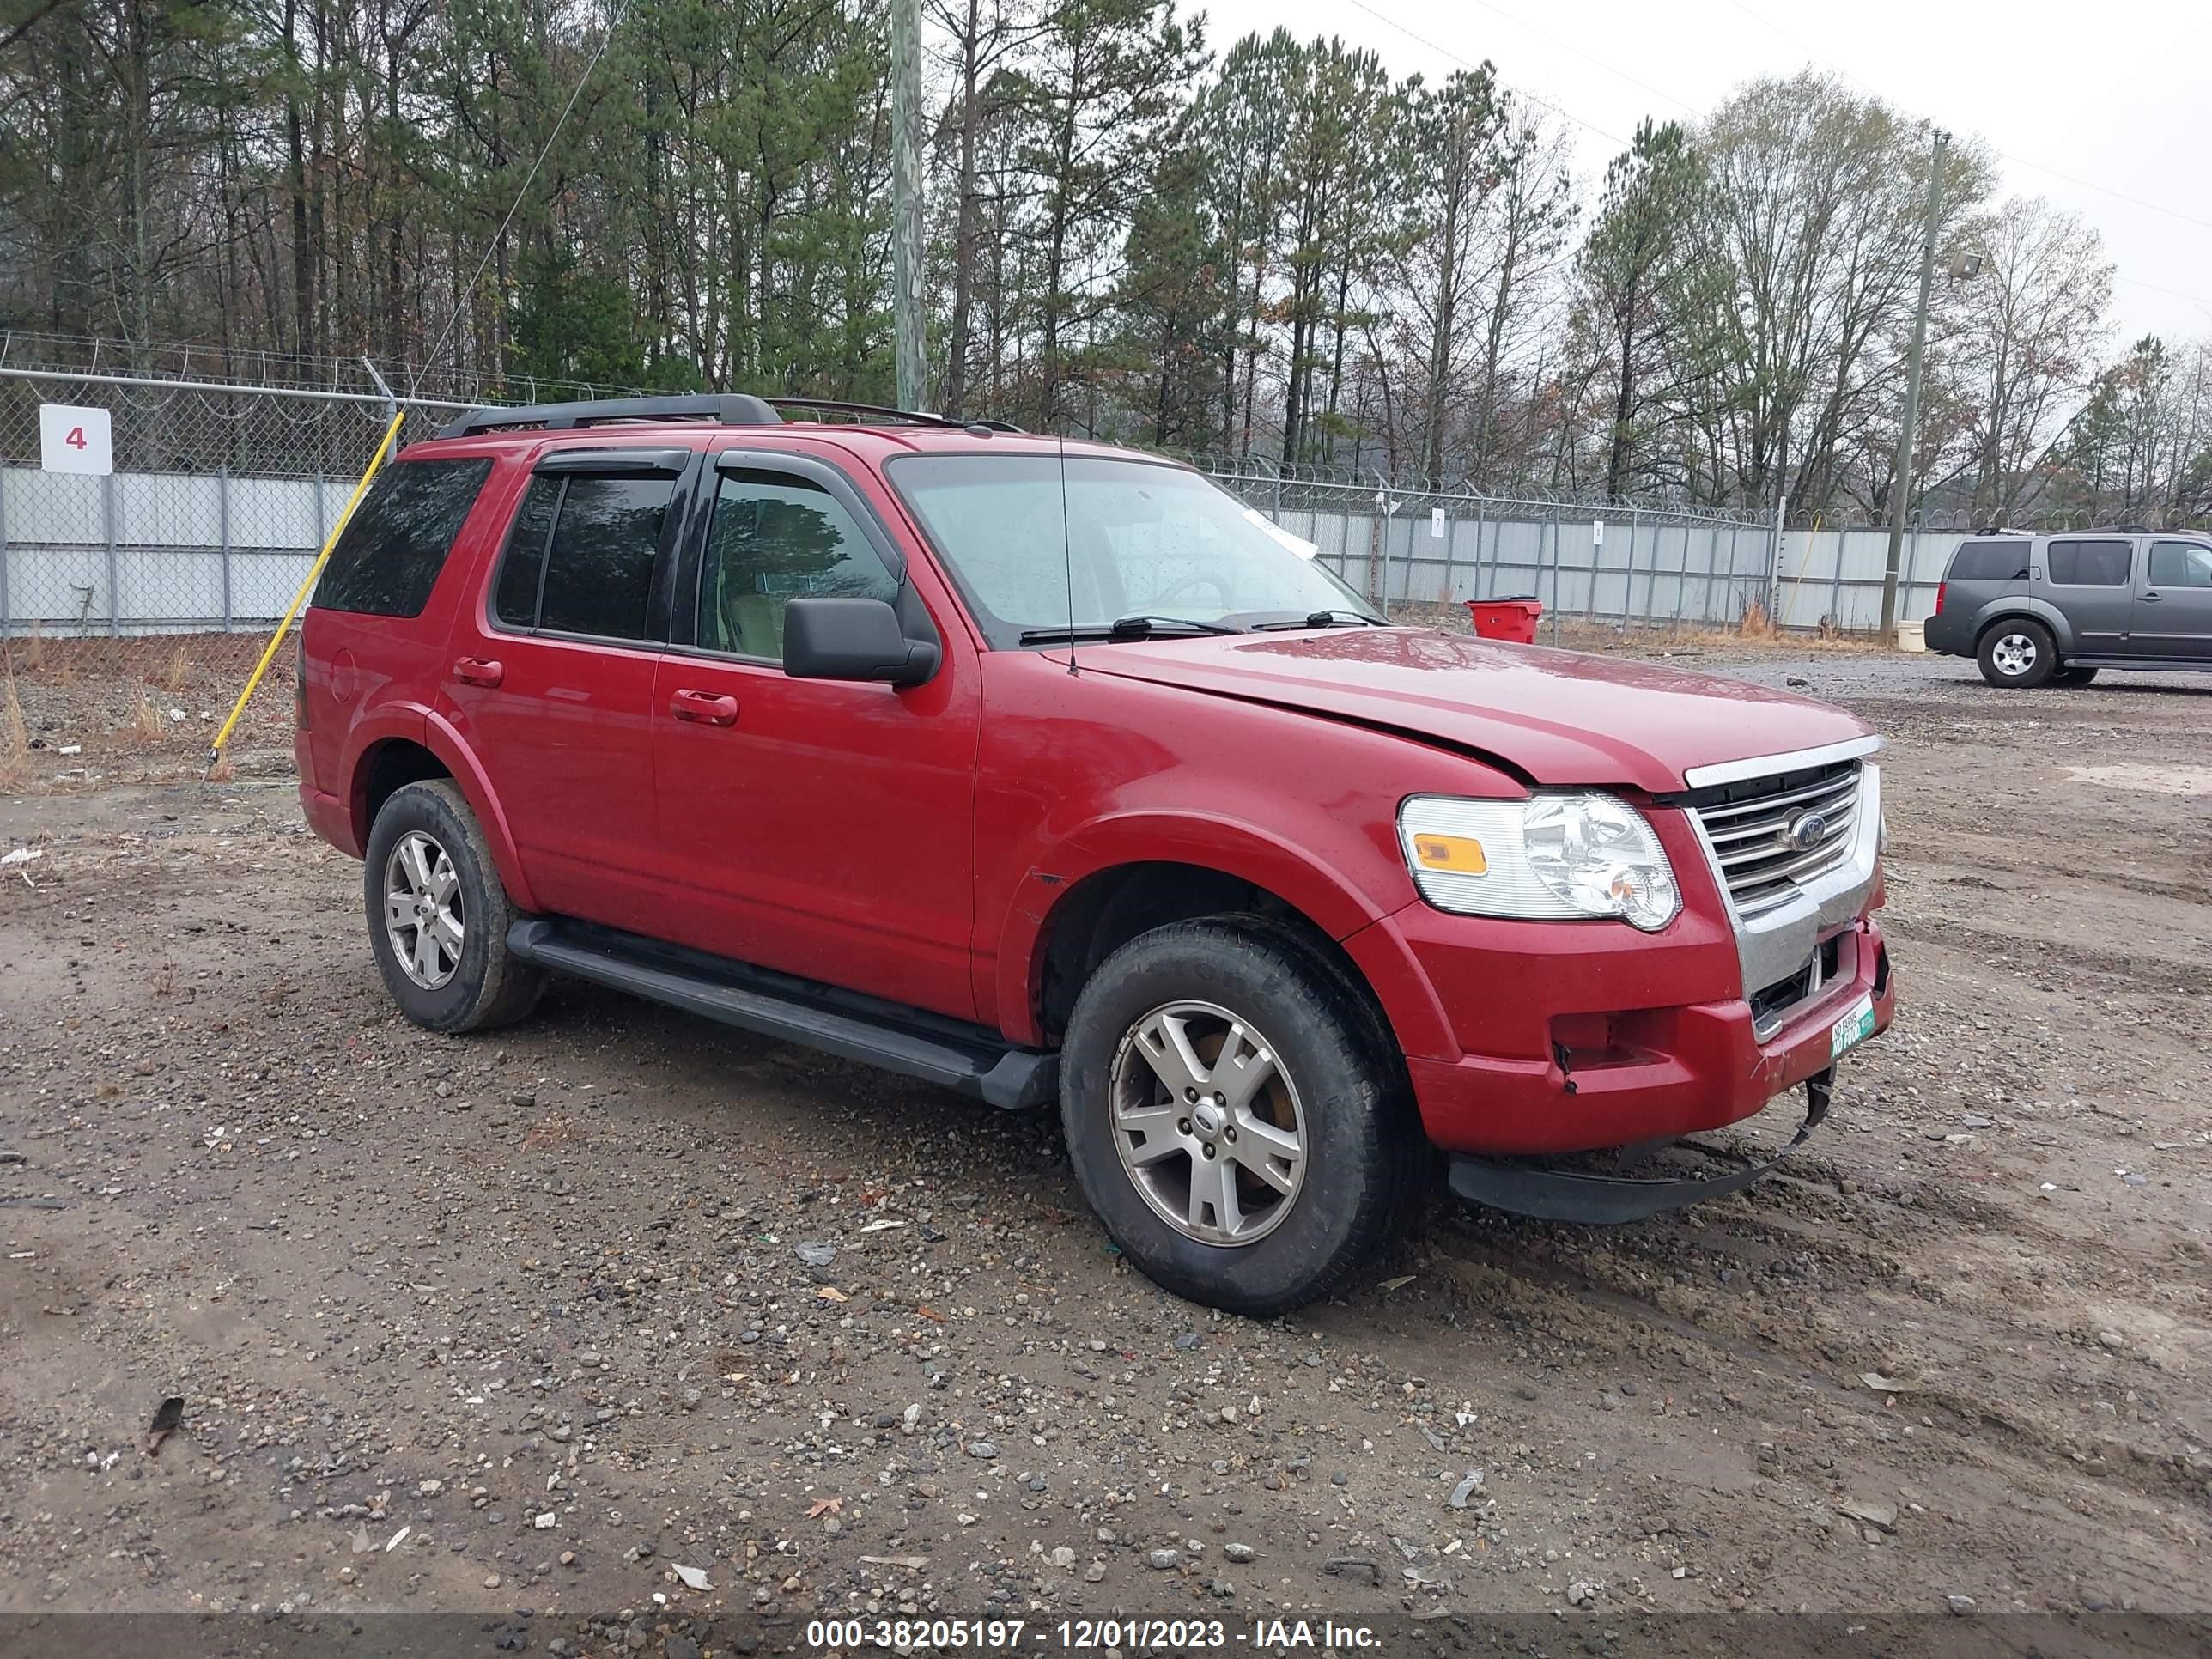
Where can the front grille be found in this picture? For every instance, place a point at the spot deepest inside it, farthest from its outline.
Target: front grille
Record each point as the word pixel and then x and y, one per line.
pixel 1750 824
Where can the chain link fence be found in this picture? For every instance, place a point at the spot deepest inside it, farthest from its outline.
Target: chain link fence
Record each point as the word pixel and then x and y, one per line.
pixel 1624 564
pixel 133 604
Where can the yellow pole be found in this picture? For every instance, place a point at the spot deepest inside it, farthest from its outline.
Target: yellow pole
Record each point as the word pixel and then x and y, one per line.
pixel 383 448
pixel 1803 559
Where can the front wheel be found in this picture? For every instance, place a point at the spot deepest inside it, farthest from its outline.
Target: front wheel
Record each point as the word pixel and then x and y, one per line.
pixel 1235 1114
pixel 2018 654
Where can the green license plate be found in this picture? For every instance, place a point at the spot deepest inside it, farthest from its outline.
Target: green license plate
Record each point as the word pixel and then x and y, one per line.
pixel 1854 1028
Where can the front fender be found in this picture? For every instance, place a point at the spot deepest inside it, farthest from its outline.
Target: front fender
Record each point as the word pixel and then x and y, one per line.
pixel 1332 899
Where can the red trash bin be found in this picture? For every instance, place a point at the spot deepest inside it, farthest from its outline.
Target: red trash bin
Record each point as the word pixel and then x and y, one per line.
pixel 1506 619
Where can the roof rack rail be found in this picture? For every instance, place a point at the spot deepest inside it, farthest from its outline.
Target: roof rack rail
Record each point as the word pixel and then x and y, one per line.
pixel 727 409
pixel 915 416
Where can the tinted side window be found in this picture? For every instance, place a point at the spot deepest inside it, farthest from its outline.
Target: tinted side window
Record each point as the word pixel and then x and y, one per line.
pixel 2180 564
pixel 398 537
pixel 775 536
pixel 514 601
pixel 1989 562
pixel 598 564
pixel 2090 564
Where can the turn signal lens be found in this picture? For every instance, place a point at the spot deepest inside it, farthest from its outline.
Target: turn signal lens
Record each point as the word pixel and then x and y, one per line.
pixel 1453 854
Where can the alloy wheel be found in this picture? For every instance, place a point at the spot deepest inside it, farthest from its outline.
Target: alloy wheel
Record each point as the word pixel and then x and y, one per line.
pixel 2013 655
pixel 1207 1122
pixel 422 909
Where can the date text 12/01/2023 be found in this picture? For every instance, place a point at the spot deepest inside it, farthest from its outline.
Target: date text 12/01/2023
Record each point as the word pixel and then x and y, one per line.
pixel 1284 1635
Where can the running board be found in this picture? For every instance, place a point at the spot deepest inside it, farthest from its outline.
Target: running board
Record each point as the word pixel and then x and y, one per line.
pixel 911 1042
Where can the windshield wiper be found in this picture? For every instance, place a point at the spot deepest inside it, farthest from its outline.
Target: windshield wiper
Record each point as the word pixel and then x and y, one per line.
pixel 1321 619
pixel 1125 628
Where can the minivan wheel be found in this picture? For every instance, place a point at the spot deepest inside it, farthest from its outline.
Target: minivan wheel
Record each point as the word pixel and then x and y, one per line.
pixel 438 915
pixel 1236 1117
pixel 2018 654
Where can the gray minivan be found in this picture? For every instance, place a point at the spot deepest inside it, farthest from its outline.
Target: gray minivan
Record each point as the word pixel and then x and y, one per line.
pixel 2037 610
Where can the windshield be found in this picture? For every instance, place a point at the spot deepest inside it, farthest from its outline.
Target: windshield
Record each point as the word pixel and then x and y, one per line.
pixel 1131 538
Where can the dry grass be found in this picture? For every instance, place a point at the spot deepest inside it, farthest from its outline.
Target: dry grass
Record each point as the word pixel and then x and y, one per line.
pixel 145 718
pixel 14 739
pixel 222 772
pixel 34 649
pixel 1756 624
pixel 179 670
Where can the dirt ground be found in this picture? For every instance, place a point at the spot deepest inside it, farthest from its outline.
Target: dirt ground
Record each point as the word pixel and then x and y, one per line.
pixel 519 1326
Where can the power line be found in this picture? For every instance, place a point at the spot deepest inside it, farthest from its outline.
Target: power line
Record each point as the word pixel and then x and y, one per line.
pixel 1566 114
pixel 2175 292
pixel 1568 45
pixel 2020 161
pixel 460 301
pixel 1446 51
pixel 1802 45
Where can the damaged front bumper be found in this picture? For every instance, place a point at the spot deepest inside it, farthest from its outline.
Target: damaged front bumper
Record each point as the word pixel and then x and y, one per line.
pixel 1522 1187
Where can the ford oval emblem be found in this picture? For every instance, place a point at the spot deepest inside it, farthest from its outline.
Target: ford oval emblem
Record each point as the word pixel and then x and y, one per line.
pixel 1805 832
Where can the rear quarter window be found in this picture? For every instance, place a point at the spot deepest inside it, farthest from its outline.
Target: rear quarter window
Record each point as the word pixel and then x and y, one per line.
pixel 399 539
pixel 1989 562
pixel 2090 564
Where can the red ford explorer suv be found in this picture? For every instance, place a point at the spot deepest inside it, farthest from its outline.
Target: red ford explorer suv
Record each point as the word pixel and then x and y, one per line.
pixel 1051 772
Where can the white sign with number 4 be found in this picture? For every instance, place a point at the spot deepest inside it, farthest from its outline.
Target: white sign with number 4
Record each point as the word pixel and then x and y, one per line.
pixel 74 439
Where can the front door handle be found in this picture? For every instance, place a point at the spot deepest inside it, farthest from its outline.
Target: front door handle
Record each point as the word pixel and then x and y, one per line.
pixel 2148 598
pixel 703 708
pixel 475 670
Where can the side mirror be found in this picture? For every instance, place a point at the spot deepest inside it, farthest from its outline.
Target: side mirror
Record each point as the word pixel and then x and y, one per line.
pixel 837 639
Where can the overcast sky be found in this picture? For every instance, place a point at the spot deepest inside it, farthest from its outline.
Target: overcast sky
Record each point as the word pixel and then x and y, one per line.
pixel 2117 94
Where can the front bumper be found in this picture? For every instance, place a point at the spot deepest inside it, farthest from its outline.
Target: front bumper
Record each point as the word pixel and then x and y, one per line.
pixel 1697 1067
pixel 1572 1037
pixel 1585 1195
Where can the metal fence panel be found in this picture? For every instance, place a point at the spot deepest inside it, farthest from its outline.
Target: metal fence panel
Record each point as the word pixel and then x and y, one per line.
pixel 226 491
pixel 1658 566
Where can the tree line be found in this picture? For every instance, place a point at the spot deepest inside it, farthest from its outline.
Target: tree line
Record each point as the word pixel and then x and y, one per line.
pixel 1276 249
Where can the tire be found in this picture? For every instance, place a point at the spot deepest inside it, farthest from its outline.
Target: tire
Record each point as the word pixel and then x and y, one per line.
pixel 1322 1076
pixel 427 844
pixel 2017 653
pixel 2073 677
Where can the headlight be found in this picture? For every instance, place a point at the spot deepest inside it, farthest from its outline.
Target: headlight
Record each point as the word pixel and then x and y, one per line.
pixel 1551 857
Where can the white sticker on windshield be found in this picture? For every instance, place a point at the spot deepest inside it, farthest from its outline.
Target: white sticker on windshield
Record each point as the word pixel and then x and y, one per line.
pixel 1298 544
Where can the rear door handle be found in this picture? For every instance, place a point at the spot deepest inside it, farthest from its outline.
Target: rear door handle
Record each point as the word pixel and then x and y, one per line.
pixel 475 670
pixel 703 708
pixel 2149 597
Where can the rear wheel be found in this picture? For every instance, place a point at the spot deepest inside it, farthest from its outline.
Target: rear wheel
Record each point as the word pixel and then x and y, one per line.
pixel 438 915
pixel 2073 677
pixel 1236 1117
pixel 2018 653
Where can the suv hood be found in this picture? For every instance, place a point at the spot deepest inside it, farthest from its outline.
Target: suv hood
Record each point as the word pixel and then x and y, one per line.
pixel 1559 717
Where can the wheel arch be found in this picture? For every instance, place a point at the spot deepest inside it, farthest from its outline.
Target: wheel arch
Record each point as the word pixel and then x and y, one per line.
pixel 2022 608
pixel 395 758
pixel 1091 916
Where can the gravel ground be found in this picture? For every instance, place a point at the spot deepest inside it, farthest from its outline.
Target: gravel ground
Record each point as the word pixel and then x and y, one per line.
pixel 617 1305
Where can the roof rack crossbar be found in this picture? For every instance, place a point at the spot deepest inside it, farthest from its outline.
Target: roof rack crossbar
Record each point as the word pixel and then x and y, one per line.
pixel 915 416
pixel 727 409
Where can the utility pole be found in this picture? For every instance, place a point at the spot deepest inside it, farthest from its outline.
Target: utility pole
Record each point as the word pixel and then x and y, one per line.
pixel 906 200
pixel 1900 488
